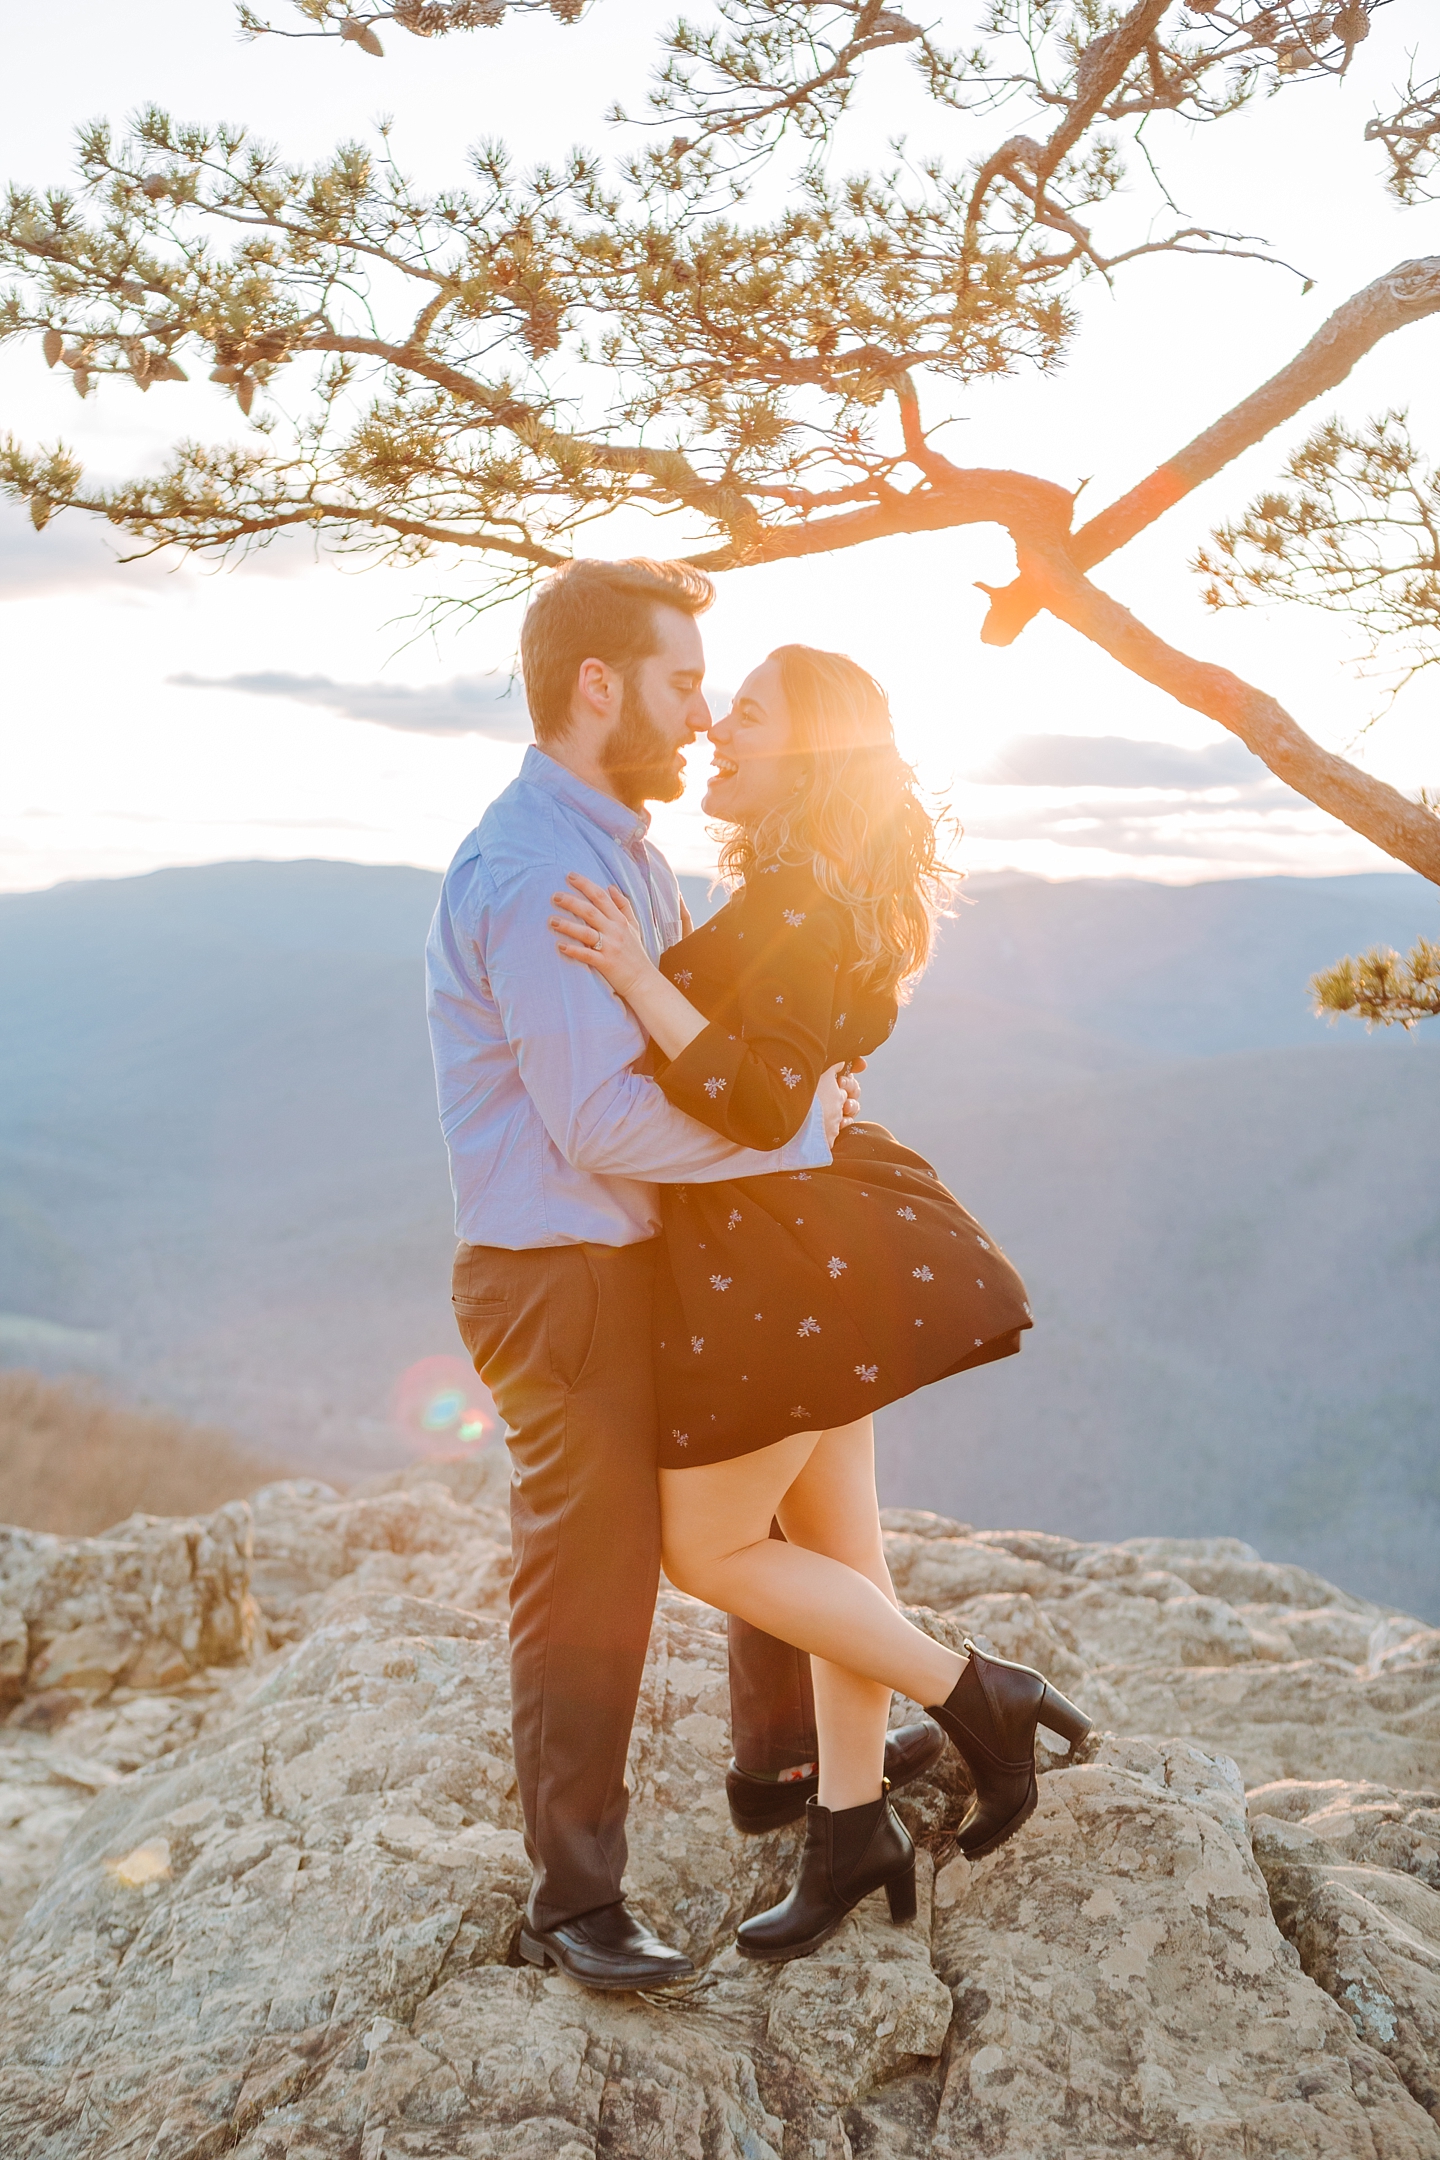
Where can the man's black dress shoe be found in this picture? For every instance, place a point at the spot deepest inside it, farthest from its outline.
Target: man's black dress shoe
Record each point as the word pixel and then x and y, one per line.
pixel 606 1949
pixel 757 1804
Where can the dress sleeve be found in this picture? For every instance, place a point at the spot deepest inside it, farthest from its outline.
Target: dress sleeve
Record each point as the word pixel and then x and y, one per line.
pixel 754 1084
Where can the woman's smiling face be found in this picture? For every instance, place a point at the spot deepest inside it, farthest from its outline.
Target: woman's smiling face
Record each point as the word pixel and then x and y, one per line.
pixel 756 764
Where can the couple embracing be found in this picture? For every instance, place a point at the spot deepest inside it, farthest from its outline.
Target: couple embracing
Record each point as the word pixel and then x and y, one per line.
pixel 689 1273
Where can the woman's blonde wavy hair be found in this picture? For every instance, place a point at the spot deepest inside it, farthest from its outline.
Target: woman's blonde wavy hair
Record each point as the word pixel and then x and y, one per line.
pixel 855 817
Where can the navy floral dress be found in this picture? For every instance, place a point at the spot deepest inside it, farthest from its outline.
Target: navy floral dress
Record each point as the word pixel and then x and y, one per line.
pixel 803 1299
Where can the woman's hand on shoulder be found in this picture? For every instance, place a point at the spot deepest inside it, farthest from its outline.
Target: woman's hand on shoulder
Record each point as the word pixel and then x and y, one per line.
pixel 598 927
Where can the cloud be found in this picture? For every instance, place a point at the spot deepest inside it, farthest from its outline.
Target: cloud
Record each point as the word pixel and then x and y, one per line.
pixel 491 705
pixel 1195 831
pixel 1117 761
pixel 70 555
pixel 79 552
pixel 1150 801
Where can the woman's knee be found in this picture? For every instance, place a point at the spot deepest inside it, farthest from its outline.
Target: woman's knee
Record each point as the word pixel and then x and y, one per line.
pixel 697 1554
pixel 835 1533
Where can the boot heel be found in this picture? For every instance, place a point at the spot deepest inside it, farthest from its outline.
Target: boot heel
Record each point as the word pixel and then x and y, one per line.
pixel 900 1894
pixel 1060 1716
pixel 534 1953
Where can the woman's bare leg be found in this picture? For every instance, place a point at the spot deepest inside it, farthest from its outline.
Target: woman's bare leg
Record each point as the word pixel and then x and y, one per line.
pixel 832 1508
pixel 715 1522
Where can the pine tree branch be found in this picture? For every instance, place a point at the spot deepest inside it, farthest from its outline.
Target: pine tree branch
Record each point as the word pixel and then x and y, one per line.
pixel 1408 831
pixel 1036 514
pixel 1382 989
pixel 1407 294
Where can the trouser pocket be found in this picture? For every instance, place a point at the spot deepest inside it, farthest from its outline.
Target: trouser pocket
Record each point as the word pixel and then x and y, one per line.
pixel 482 1323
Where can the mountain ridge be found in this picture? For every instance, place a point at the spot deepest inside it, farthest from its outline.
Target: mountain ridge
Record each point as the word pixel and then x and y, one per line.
pixel 219 1155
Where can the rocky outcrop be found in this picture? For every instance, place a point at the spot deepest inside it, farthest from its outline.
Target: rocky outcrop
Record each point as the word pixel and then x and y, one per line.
pixel 148 1603
pixel 418 1540
pixel 43 1793
pixel 1120 1985
pixel 1354 1880
pixel 271 1908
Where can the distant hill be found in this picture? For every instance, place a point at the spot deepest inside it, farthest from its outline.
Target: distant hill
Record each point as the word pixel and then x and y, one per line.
pixel 74 1463
pixel 222 1188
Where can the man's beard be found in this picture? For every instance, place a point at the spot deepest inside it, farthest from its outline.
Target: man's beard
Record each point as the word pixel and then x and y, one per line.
pixel 640 760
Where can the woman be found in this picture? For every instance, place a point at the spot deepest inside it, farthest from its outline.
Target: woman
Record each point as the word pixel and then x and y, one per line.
pixel 795 1305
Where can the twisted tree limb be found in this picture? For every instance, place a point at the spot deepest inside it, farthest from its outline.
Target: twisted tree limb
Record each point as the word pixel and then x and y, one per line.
pixel 1404 295
pixel 1036 515
pixel 1404 829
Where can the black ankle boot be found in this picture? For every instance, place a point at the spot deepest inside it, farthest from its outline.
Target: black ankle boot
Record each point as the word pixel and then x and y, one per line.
pixel 848 1853
pixel 991 1714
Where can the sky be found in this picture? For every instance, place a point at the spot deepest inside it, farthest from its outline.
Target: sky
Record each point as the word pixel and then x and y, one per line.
pixel 173 712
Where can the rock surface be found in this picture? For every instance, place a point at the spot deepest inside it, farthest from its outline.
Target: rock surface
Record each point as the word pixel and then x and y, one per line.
pixel 266 1903
pixel 149 1602
pixel 1120 1985
pixel 1354 1883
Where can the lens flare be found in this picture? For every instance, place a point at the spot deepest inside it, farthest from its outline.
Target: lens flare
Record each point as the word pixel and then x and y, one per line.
pixel 444 1410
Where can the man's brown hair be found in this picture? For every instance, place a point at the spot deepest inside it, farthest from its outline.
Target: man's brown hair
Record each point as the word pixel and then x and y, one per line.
pixel 593 610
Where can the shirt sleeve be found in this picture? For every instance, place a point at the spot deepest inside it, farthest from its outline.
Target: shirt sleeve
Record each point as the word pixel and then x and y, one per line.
pixel 755 1086
pixel 575 1043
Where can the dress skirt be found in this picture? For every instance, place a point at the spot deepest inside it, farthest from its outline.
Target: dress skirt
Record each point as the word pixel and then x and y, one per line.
pixel 807 1298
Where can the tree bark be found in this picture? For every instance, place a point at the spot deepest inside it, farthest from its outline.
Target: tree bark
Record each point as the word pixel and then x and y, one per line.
pixel 959 495
pixel 1404 295
pixel 1368 806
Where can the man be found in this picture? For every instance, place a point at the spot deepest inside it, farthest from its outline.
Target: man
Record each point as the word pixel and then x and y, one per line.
pixel 557 1145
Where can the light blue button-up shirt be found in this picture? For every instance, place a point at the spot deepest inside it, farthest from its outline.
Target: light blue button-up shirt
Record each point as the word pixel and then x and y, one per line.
pixel 553 1139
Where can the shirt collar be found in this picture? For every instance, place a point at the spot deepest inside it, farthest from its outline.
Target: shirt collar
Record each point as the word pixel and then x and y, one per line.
pixel 627 826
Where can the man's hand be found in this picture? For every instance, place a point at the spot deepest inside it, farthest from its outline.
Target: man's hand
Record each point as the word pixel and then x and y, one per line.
pixel 833 1098
pixel 850 1081
pixel 839 1097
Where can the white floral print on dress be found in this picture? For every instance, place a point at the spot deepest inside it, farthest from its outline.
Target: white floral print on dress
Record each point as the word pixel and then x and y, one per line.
pixel 867 1372
pixel 922 1274
pixel 714 1086
pixel 791 1079
pixel 794 916
pixel 683 977
pixel 721 1282
pixel 734 1219
pixel 808 1326
pixel 681 1439
pixel 906 1214
pixel 836 1267
pixel 697 1344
